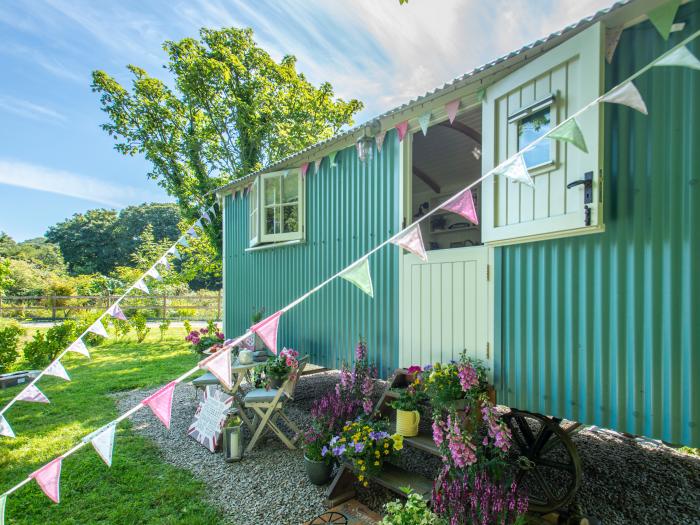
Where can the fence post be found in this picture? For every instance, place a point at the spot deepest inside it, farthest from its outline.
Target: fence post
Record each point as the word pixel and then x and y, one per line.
pixel 165 306
pixel 53 307
pixel 218 305
pixel 0 305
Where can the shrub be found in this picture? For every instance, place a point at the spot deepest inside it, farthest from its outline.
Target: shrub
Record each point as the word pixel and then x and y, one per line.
pixel 163 327
pixel 121 328
pixel 45 346
pixel 138 322
pixel 414 511
pixel 9 340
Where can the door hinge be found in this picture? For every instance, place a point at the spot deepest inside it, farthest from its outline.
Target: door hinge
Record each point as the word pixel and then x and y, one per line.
pixel 488 351
pixel 488 272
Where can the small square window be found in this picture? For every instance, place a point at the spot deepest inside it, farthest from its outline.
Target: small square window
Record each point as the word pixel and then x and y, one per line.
pixel 280 200
pixel 530 128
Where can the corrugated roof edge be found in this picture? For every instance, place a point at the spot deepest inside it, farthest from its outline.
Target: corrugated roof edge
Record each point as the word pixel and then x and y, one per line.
pixel 460 81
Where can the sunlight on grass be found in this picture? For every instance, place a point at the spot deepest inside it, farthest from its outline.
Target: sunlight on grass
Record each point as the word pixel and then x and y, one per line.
pixel 140 487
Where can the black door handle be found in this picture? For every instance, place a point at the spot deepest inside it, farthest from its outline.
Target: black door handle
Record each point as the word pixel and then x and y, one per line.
pixel 587 182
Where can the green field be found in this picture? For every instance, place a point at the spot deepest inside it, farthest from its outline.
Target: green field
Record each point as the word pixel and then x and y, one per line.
pixel 139 487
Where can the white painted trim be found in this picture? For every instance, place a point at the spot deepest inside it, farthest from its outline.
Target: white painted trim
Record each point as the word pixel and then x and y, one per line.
pixel 274 245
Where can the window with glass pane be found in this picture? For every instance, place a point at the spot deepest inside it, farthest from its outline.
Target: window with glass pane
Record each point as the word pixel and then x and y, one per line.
pixel 531 128
pixel 254 216
pixel 281 202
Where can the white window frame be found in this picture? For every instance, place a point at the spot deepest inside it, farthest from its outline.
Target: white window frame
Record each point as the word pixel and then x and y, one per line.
pixel 257 208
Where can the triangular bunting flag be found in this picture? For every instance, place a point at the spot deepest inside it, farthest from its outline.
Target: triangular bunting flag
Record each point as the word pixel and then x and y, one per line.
pixel 317 165
pixel 161 403
pixel 48 478
pixel 424 122
pixel 662 17
pixel 515 170
pixel 612 37
pixel 174 252
pixel 3 502
pixel 359 275
pixel 481 95
pixel 198 223
pixel 379 139
pixel 56 369
pixel 184 242
pixel 152 272
pixel 32 394
pixel 163 261
pixel 412 240
pixel 206 216
pixel 79 347
pixel 681 57
pixel 402 128
pixel 570 132
pixel 303 169
pixel 331 158
pixel 116 312
pixel 628 95
pixel 98 328
pixel 5 428
pixel 464 206
pixel 212 209
pixel 140 285
pixel 192 233
pixel 267 330
pixel 219 364
pixel 103 442
pixel 451 109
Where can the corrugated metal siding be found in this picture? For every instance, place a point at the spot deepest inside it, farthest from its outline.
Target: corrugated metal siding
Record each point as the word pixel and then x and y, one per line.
pixel 350 209
pixel 605 329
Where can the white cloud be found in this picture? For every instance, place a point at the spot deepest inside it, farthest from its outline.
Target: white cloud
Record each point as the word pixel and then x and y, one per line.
pixel 25 108
pixel 61 182
pixel 52 65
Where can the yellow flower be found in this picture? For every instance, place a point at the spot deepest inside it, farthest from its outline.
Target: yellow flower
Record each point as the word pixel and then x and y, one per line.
pixel 386 444
pixel 376 463
pixel 360 462
pixel 398 441
pixel 377 453
pixel 363 468
pixel 365 484
pixel 386 452
pixel 360 477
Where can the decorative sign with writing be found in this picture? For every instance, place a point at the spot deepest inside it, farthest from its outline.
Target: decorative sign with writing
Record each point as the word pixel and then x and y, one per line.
pixel 210 417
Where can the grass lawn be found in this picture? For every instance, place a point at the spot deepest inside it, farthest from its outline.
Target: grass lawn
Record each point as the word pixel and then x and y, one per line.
pixel 140 487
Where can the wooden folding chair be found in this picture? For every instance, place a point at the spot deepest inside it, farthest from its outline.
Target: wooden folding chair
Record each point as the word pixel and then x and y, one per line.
pixel 269 409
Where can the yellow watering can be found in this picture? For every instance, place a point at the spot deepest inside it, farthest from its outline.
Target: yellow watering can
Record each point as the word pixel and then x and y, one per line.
pixel 407 422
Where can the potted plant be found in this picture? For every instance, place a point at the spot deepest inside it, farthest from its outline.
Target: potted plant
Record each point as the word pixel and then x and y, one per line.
pixel 365 445
pixel 413 511
pixel 453 386
pixel 318 467
pixel 280 367
pixel 406 406
pixel 205 339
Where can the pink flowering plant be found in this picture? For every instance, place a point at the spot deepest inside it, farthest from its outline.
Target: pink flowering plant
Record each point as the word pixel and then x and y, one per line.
pixel 209 338
pixel 282 366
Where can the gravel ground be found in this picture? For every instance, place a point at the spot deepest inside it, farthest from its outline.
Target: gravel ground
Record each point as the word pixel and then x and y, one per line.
pixel 624 481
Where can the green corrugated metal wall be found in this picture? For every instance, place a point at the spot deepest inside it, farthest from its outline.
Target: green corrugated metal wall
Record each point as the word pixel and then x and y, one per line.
pixel 605 329
pixel 350 209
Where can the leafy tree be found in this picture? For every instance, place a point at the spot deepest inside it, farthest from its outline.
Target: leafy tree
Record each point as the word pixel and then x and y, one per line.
pixel 231 110
pixel 6 280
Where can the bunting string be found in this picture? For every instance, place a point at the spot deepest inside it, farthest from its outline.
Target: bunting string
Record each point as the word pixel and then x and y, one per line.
pixel 162 410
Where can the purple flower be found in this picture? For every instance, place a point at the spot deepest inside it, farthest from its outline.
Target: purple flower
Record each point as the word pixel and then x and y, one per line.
pixel 367 406
pixel 324 451
pixel 359 447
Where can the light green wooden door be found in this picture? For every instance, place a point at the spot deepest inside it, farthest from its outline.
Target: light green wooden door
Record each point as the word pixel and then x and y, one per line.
pixel 444 306
pixel 525 105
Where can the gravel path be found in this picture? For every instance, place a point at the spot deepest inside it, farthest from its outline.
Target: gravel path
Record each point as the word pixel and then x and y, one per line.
pixel 624 481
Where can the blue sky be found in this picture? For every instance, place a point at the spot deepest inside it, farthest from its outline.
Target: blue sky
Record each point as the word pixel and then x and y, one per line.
pixel 56 161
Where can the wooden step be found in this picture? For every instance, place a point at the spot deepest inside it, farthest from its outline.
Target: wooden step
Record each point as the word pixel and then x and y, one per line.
pixel 423 442
pixel 393 478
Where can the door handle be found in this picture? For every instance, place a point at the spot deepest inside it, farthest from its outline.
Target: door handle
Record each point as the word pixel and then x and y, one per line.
pixel 587 182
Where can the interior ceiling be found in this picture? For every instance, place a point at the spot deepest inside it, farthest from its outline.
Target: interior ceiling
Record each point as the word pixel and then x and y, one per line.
pixel 445 155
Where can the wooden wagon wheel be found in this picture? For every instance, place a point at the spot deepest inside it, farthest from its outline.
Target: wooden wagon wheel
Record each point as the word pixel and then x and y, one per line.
pixel 336 518
pixel 546 462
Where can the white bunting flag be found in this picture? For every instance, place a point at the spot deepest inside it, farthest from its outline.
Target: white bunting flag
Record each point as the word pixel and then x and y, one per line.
pixel 163 261
pixel 206 216
pixel 98 328
pixel 5 428
pixel 33 395
pixel 412 240
pixel 173 251
pixel 627 94
pixel 317 165
pixel 184 242
pixel 56 369
pixel 515 170
pixel 103 441
pixel 212 209
pixel 681 57
pixel 79 347
pixel 116 312
pixel 379 139
pixel 198 223
pixel 140 285
pixel 359 275
pixel 219 364
pixel 331 159
pixel 424 122
pixel 192 233
pixel 152 272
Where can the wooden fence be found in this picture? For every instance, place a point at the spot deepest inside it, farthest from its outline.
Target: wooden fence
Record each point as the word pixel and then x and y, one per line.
pixel 203 306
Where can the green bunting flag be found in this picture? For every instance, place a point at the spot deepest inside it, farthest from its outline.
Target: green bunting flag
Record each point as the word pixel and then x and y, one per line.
pixel 681 57
pixel 358 274
pixel 331 157
pixel 3 499
pixel 662 17
pixel 423 122
pixel 481 95
pixel 569 132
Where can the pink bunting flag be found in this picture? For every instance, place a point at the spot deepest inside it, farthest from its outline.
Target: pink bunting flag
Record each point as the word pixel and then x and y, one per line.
pixel 464 206
pixel 304 168
pixel 219 364
pixel 5 428
pixel 32 394
pixel 402 128
pixel 451 110
pixel 56 369
pixel 412 240
pixel 267 330
pixel 379 139
pixel 116 312
pixel 98 328
pixel 48 478
pixel 317 165
pixel 161 403
pixel 79 347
